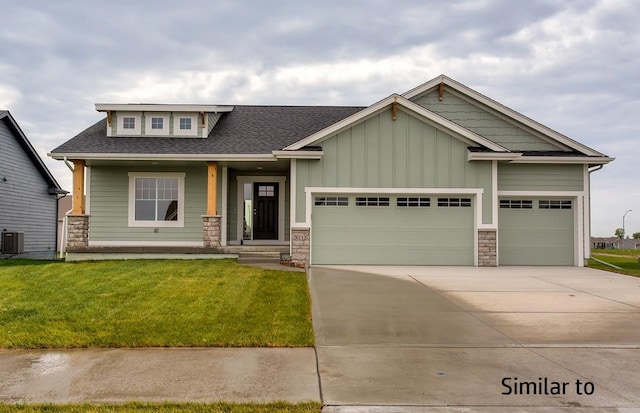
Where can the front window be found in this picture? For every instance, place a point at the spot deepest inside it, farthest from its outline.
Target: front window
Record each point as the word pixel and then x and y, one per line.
pixel 156 200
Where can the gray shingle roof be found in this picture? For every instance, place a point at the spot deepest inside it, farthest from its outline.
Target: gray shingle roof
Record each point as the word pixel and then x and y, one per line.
pixel 245 130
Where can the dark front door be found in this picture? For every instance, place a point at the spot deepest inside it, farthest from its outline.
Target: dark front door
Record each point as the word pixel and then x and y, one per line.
pixel 265 210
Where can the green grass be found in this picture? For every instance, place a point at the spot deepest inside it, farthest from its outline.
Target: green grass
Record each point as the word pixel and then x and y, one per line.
pixel 625 259
pixel 280 407
pixel 151 303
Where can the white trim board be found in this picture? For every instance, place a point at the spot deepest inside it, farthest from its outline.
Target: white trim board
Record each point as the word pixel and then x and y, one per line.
pixel 126 243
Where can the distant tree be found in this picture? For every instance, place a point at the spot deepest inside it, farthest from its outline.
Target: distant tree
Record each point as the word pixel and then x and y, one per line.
pixel 636 235
pixel 619 233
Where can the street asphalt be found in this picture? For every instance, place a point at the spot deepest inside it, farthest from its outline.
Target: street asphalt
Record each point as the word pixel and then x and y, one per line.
pixel 392 339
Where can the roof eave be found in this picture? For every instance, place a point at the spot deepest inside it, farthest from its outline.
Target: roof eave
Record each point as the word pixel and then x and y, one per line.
pixel 591 160
pixel 163 157
pixel 147 107
pixel 298 154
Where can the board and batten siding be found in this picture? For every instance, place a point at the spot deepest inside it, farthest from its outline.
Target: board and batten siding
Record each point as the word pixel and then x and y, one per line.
pixel 483 122
pixel 109 205
pixel 25 205
pixel 540 177
pixel 383 153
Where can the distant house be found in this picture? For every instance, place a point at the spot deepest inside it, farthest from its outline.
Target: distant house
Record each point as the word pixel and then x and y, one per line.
pixel 615 243
pixel 28 196
pixel 440 175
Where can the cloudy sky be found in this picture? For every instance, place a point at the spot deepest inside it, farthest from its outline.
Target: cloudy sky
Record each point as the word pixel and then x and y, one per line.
pixel 573 65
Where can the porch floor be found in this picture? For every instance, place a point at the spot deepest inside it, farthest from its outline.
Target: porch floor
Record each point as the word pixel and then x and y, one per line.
pixel 123 253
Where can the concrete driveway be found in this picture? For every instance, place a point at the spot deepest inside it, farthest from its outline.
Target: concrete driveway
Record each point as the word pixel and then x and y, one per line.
pixel 413 339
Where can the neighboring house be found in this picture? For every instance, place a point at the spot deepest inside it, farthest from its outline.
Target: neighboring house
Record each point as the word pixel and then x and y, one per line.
pixel 28 196
pixel 615 243
pixel 441 175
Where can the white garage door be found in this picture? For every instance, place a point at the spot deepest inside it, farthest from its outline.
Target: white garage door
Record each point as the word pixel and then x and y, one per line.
pixel 534 231
pixel 392 229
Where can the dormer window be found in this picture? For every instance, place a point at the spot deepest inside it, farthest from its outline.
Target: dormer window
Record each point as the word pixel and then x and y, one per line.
pixel 157 123
pixel 185 124
pixel 128 122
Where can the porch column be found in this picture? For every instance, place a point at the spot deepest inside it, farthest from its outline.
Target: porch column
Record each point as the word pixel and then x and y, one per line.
pixel 78 188
pixel 212 188
pixel 211 234
pixel 77 220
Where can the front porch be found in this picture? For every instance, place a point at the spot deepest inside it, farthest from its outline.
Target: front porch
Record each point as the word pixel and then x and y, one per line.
pixel 209 209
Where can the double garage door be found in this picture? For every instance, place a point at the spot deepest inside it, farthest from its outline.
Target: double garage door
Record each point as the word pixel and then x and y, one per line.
pixel 436 230
pixel 392 229
pixel 536 231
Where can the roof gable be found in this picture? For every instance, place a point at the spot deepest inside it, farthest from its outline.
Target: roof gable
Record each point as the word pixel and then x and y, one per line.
pixel 443 83
pixel 394 102
pixel 30 151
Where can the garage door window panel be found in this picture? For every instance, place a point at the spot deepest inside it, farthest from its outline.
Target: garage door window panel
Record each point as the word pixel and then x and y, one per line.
pixel 331 201
pixel 516 203
pixel 413 202
pixel 454 202
pixel 555 204
pixel 372 201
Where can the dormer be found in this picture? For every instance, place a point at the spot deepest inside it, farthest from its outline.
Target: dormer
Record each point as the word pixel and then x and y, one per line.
pixel 157 120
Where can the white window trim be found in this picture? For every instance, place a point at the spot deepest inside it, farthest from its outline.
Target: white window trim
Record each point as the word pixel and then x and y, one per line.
pixel 148 116
pixel 132 199
pixel 129 132
pixel 187 132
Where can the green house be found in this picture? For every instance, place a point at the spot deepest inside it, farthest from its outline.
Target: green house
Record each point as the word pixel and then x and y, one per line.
pixel 440 175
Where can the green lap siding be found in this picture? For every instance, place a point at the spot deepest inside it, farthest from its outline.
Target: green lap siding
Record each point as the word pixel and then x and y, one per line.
pixel 484 121
pixel 109 204
pixel 540 177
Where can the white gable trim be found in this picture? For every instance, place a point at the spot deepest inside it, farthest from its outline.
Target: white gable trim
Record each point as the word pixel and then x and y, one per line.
pixel 565 140
pixel 440 123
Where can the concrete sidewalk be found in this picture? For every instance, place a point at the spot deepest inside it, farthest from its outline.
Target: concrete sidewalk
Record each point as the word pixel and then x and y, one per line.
pixel 159 374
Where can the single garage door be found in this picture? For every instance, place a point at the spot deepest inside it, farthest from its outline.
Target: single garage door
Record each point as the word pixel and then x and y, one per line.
pixel 536 231
pixel 392 230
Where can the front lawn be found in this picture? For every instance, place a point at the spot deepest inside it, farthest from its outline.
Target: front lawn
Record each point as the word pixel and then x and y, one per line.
pixel 625 259
pixel 151 303
pixel 309 407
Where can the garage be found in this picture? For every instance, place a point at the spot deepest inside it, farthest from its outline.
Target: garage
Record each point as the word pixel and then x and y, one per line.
pixel 536 231
pixel 393 229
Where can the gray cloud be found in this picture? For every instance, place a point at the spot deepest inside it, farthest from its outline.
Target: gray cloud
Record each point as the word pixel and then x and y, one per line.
pixel 571 65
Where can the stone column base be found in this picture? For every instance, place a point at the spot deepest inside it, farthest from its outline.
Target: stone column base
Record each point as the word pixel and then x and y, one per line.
pixel 487 248
pixel 300 244
pixel 211 230
pixel 77 231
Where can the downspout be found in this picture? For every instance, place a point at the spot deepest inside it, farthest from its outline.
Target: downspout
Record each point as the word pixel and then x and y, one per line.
pixel 588 251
